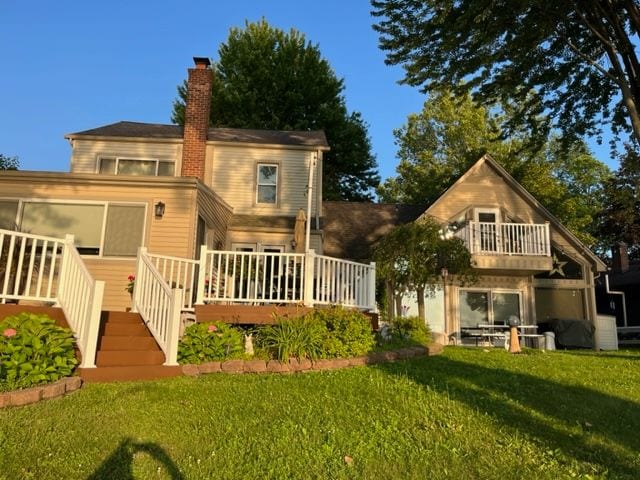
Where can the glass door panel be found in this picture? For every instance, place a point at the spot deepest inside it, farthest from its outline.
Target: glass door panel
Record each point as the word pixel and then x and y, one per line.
pixel 474 308
pixel 504 306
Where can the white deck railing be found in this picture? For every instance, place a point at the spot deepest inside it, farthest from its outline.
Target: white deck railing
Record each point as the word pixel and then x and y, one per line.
pixel 158 305
pixel 178 273
pixel 266 277
pixel 47 269
pixel 251 277
pixel 341 282
pixel 486 238
pixel 80 297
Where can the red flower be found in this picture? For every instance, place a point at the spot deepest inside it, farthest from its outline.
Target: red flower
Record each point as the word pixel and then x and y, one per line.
pixel 213 328
pixel 131 278
pixel 9 332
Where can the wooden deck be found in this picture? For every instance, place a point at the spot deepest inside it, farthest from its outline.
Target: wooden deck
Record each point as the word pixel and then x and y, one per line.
pixel 248 314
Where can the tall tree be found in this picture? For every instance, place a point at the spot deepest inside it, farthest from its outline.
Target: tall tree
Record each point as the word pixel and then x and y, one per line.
pixel 437 145
pixel 412 256
pixel 578 56
pixel 8 163
pixel 620 221
pixel 270 79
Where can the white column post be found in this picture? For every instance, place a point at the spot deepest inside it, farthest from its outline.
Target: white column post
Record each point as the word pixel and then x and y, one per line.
pixel 202 275
pixel 64 267
pixel 93 328
pixel 309 266
pixel 138 275
pixel 372 288
pixel 547 236
pixel 173 329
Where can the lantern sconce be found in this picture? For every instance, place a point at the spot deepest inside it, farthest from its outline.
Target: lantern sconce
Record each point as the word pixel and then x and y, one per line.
pixel 159 209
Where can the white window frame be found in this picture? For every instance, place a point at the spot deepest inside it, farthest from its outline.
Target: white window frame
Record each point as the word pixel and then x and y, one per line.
pixel 105 204
pixel 134 159
pixel 258 184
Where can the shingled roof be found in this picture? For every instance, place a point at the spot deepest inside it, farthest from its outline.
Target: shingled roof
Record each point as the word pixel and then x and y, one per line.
pixel 351 229
pixel 314 138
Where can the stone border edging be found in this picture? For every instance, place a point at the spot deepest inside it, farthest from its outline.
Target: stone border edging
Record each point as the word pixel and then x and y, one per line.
pixel 304 365
pixel 27 396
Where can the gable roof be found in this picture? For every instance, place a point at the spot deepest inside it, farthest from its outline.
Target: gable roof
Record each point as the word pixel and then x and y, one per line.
pixel 314 138
pixel 486 159
pixel 352 228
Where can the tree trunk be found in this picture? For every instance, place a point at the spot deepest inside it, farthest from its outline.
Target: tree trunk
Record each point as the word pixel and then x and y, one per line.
pixel 420 295
pixel 390 299
pixel 398 298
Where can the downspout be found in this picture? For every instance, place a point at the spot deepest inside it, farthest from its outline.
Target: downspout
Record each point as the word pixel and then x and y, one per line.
pixel 312 165
pixel 614 292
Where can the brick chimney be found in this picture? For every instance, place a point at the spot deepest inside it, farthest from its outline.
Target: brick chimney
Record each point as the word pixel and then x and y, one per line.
pixel 620 258
pixel 196 118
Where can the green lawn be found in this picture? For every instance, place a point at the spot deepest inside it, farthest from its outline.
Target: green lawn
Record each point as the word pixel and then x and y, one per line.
pixel 465 414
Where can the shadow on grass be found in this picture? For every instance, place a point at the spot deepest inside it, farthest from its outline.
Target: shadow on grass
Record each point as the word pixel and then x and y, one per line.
pixel 517 400
pixel 119 465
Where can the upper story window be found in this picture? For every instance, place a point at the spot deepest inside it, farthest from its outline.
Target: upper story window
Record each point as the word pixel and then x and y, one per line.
pixel 134 166
pixel 267 183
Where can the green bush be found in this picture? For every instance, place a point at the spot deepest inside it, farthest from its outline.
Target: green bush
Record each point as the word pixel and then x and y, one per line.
pixel 406 331
pixel 206 342
pixel 348 332
pixel 299 337
pixel 34 350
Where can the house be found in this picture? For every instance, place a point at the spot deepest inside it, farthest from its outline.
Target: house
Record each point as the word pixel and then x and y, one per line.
pixel 202 217
pixel 528 264
pixel 617 294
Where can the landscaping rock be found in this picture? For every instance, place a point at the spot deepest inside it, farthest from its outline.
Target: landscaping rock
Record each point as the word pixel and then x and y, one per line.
pixel 404 353
pixel 191 370
pixel 5 400
pixel 419 350
pixel 73 383
pixel 25 397
pixel 232 366
pixel 357 361
pixel 255 366
pixel 54 390
pixel 276 366
pixel 434 349
pixel 210 367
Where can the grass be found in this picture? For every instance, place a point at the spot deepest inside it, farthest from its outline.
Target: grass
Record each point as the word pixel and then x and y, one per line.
pixel 466 414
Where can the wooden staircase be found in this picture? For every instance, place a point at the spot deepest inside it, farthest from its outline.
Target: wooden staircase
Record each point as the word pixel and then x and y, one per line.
pixel 127 351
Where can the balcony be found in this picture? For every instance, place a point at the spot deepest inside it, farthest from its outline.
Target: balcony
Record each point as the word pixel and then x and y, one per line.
pixel 518 247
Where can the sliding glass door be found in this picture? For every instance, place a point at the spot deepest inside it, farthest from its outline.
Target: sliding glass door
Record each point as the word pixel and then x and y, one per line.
pixel 488 307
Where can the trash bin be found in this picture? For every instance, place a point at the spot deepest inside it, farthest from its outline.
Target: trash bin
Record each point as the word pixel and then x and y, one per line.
pixel 550 340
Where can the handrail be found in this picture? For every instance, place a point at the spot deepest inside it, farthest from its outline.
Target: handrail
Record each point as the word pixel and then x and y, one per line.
pixel 80 297
pixel 158 305
pixel 178 272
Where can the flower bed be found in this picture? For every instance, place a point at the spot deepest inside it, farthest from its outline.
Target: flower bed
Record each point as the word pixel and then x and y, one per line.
pixel 294 365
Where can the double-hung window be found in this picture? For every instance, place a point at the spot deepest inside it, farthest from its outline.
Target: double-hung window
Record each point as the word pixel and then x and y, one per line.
pixel 267 191
pixel 135 166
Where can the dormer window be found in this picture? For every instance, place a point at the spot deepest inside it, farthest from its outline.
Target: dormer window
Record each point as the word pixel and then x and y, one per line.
pixel 267 184
pixel 136 166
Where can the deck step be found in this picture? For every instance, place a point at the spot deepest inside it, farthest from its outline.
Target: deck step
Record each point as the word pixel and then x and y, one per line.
pixel 125 330
pixel 120 317
pixel 128 374
pixel 133 358
pixel 120 342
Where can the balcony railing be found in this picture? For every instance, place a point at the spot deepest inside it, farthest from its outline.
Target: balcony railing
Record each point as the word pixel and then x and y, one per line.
pixel 486 238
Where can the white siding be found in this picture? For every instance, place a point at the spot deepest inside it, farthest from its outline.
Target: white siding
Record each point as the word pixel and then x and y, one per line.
pixel 233 177
pixel 85 153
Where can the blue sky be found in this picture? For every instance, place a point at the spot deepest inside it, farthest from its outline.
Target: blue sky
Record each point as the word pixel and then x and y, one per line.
pixel 69 66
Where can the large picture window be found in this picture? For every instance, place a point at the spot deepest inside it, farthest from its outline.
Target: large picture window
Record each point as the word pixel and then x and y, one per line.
pixel 134 166
pixel 488 307
pixel 267 183
pixel 106 229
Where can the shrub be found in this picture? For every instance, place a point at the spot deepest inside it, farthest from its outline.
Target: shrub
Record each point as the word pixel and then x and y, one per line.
pixel 299 337
pixel 348 332
pixel 206 342
pixel 409 331
pixel 34 350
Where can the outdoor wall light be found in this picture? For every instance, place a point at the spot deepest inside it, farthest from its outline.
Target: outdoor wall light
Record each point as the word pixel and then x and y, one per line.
pixel 294 244
pixel 159 209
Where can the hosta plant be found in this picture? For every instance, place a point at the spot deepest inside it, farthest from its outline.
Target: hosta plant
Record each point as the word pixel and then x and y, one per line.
pixel 34 350
pixel 206 342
